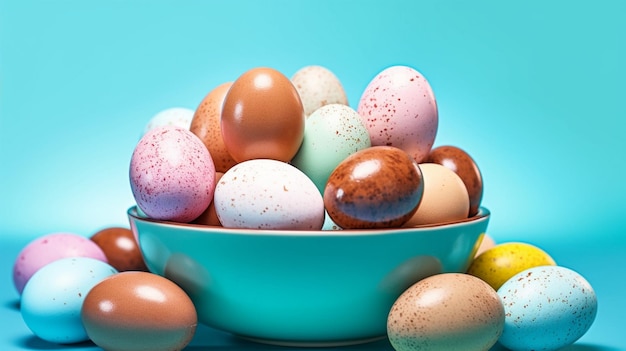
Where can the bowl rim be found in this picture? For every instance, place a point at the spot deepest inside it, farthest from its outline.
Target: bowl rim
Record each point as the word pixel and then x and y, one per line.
pixel 483 214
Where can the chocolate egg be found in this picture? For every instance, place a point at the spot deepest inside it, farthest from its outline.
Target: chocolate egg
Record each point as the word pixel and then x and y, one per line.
pixel 262 117
pixel 121 248
pixel 206 125
pixel 447 312
pixel 139 311
pixel 377 187
pixel 464 166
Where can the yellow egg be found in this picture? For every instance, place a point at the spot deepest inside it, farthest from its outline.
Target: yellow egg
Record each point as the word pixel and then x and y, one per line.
pixel 496 265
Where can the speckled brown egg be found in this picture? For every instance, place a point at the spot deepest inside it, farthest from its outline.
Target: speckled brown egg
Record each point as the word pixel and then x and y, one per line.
pixel 121 248
pixel 139 311
pixel 262 117
pixel 447 312
pixel 377 187
pixel 459 161
pixel 207 126
pixel 318 87
pixel 209 217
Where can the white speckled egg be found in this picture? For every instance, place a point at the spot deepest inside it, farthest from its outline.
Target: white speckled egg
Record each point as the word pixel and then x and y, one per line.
pixel 399 109
pixel 268 194
pixel 318 86
pixel 445 197
pixel 172 175
pixel 446 312
pixel 332 133
pixel 175 116
pixel 546 308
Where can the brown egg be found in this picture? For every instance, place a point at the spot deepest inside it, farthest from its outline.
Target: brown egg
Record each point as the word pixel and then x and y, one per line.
pixel 446 312
pixel 462 164
pixel 209 216
pixel 262 117
pixel 121 249
pixel 207 126
pixel 139 311
pixel 377 187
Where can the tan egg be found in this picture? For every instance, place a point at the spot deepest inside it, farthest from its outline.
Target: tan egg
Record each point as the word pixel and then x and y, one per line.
pixel 206 125
pixel 262 117
pixel 486 244
pixel 446 312
pixel 445 197
pixel 318 86
pixel 209 217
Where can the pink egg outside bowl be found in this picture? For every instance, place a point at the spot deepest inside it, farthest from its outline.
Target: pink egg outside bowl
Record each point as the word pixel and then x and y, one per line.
pixel 303 288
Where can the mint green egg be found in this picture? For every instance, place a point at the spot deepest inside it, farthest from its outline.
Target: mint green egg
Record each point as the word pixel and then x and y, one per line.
pixel 331 133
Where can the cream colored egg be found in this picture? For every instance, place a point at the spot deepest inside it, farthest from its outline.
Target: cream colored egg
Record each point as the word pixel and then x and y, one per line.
pixel 445 197
pixel 318 86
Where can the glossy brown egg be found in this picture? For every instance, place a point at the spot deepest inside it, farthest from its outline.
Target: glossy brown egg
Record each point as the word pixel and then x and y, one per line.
pixel 377 187
pixel 207 126
pixel 209 216
pixel 262 117
pixel 464 166
pixel 139 311
pixel 120 247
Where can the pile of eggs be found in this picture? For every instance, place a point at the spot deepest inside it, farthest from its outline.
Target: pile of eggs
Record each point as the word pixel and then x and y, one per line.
pixel 292 154
pixel 269 152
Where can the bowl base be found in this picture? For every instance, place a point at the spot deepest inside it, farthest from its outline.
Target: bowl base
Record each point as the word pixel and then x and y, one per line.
pixel 321 343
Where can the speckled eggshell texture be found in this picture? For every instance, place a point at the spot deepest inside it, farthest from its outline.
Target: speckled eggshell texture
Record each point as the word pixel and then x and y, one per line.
pixel 318 86
pixel 332 133
pixel 547 308
pixel 206 124
pixel 172 174
pixel 377 187
pixel 268 194
pixel 51 247
pixel 499 263
pixel 399 109
pixel 446 312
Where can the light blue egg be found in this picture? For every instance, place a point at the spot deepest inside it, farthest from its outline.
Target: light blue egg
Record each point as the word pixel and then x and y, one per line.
pixel 546 308
pixel 54 295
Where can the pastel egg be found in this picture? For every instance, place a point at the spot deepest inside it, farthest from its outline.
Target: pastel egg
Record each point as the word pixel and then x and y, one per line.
pixel 121 248
pixel 399 109
pixel 498 264
pixel 332 133
pixel 317 87
pixel 459 161
pixel 445 197
pixel 262 117
pixel 206 124
pixel 175 116
pixel 172 175
pixel 546 308
pixel 447 312
pixel 268 194
pixel 49 248
pixel 53 297
pixel 139 311
pixel 377 187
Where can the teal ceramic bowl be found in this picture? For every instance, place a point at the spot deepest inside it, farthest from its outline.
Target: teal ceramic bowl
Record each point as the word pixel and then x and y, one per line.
pixel 304 288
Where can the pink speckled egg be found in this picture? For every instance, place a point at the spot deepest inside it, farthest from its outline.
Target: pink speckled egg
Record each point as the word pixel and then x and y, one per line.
pixel 49 248
pixel 172 175
pixel 447 312
pixel 399 109
pixel 268 194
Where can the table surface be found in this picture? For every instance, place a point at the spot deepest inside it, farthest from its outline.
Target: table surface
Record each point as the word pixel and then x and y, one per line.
pixel 602 264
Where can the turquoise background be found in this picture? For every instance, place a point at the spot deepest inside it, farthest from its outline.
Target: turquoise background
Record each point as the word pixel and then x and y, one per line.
pixel 533 90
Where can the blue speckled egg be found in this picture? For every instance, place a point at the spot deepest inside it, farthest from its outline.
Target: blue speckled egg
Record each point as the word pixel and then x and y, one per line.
pixel 546 308
pixel 53 298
